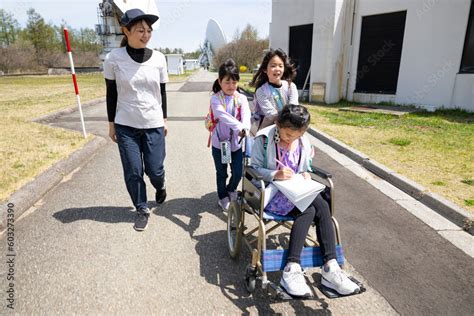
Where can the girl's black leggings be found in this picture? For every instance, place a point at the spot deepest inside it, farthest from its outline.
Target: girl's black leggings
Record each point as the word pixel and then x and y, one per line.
pixel 319 213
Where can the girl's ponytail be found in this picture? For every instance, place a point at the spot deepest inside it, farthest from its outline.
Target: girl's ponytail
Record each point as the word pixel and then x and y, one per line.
pixel 216 87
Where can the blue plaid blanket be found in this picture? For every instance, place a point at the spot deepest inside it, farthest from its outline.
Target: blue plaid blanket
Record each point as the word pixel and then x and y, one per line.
pixel 275 259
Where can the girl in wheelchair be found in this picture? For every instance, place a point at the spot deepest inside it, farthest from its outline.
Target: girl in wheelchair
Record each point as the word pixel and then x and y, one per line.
pixel 280 151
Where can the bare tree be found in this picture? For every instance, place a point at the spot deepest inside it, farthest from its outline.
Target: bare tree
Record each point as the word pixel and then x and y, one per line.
pixel 246 49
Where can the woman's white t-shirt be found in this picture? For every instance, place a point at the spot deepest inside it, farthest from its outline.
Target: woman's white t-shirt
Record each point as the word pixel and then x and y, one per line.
pixel 138 88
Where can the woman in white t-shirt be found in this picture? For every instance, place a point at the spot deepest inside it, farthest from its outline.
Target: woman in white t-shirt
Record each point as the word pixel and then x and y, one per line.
pixel 136 107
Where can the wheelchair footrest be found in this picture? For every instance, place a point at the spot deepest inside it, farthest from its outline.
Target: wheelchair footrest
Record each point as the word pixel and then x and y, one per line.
pixel 279 293
pixel 275 259
pixel 330 293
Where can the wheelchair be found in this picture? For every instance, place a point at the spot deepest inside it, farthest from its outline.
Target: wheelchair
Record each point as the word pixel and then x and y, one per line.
pixel 250 202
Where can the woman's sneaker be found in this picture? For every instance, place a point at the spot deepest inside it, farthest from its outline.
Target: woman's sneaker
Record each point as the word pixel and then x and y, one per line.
pixel 141 220
pixel 160 196
pixel 224 204
pixel 293 281
pixel 335 278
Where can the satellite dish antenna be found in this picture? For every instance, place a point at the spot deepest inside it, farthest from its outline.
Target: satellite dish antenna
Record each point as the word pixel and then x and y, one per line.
pixel 214 40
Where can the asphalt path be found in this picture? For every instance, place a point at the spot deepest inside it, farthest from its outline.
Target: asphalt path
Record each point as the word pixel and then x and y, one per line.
pixel 78 253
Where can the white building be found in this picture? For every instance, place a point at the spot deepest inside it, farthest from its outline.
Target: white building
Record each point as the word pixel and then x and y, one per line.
pixel 175 64
pixel 191 64
pixel 417 52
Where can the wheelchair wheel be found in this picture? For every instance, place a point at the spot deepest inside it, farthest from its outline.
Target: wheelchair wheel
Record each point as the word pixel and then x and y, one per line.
pixel 250 278
pixel 234 228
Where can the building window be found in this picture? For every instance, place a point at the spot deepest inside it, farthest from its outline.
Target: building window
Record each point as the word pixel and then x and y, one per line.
pixel 467 61
pixel 380 52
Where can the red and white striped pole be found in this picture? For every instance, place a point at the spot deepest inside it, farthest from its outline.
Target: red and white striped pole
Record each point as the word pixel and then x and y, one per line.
pixel 76 88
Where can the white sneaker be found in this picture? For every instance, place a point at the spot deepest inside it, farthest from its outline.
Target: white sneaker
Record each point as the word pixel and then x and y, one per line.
pixel 336 279
pixel 233 196
pixel 224 204
pixel 293 280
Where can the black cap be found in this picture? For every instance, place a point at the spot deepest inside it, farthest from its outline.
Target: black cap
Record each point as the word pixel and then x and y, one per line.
pixel 133 15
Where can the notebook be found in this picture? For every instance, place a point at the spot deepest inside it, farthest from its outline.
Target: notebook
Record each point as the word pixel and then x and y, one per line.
pixel 300 191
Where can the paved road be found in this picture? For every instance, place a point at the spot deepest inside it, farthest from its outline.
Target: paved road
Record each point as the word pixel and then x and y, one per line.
pixel 77 252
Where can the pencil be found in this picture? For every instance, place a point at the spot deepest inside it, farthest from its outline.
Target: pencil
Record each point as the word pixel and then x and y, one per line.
pixel 280 163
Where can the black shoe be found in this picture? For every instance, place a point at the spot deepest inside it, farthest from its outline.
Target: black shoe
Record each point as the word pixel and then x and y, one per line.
pixel 141 221
pixel 160 196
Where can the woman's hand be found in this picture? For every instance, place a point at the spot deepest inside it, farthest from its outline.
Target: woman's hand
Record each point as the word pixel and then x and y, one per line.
pixel 166 127
pixel 112 135
pixel 284 174
pixel 306 175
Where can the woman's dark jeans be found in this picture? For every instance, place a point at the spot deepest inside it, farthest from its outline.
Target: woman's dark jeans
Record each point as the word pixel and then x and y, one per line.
pixel 141 150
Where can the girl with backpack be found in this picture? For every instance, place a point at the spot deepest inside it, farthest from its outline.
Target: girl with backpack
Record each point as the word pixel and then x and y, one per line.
pixel 274 88
pixel 230 114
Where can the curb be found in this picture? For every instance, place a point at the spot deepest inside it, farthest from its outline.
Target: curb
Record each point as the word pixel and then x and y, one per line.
pixel 437 203
pixel 71 109
pixel 29 194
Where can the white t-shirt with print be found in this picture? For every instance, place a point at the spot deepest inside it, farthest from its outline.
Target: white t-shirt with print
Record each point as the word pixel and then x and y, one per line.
pixel 138 88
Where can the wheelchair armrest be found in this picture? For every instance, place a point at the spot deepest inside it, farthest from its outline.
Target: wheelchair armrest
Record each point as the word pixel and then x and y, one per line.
pixel 320 172
pixel 253 173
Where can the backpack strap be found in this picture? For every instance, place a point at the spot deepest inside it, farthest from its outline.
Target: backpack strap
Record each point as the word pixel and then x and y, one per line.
pixel 265 155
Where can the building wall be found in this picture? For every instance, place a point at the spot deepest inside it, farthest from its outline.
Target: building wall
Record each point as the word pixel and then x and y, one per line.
pixel 432 48
pixel 285 14
pixel 431 55
pixel 175 64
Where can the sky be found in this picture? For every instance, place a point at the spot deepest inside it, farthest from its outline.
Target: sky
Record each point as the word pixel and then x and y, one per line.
pixel 182 22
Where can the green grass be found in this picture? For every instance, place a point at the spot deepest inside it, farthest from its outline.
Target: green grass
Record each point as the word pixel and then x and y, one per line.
pixel 432 148
pixel 27 148
pixel 399 141
pixel 182 77
pixel 468 181
pixel 245 78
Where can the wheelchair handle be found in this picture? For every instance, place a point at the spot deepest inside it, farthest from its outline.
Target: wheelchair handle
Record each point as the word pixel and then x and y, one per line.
pixel 320 172
pixel 253 173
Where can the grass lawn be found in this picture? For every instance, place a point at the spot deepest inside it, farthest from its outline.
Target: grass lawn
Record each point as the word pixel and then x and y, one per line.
pixel 27 148
pixel 183 77
pixel 245 78
pixel 434 149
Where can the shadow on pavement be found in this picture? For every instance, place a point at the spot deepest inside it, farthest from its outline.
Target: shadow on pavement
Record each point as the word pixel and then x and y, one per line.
pixel 107 214
pixel 192 86
pixel 216 266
